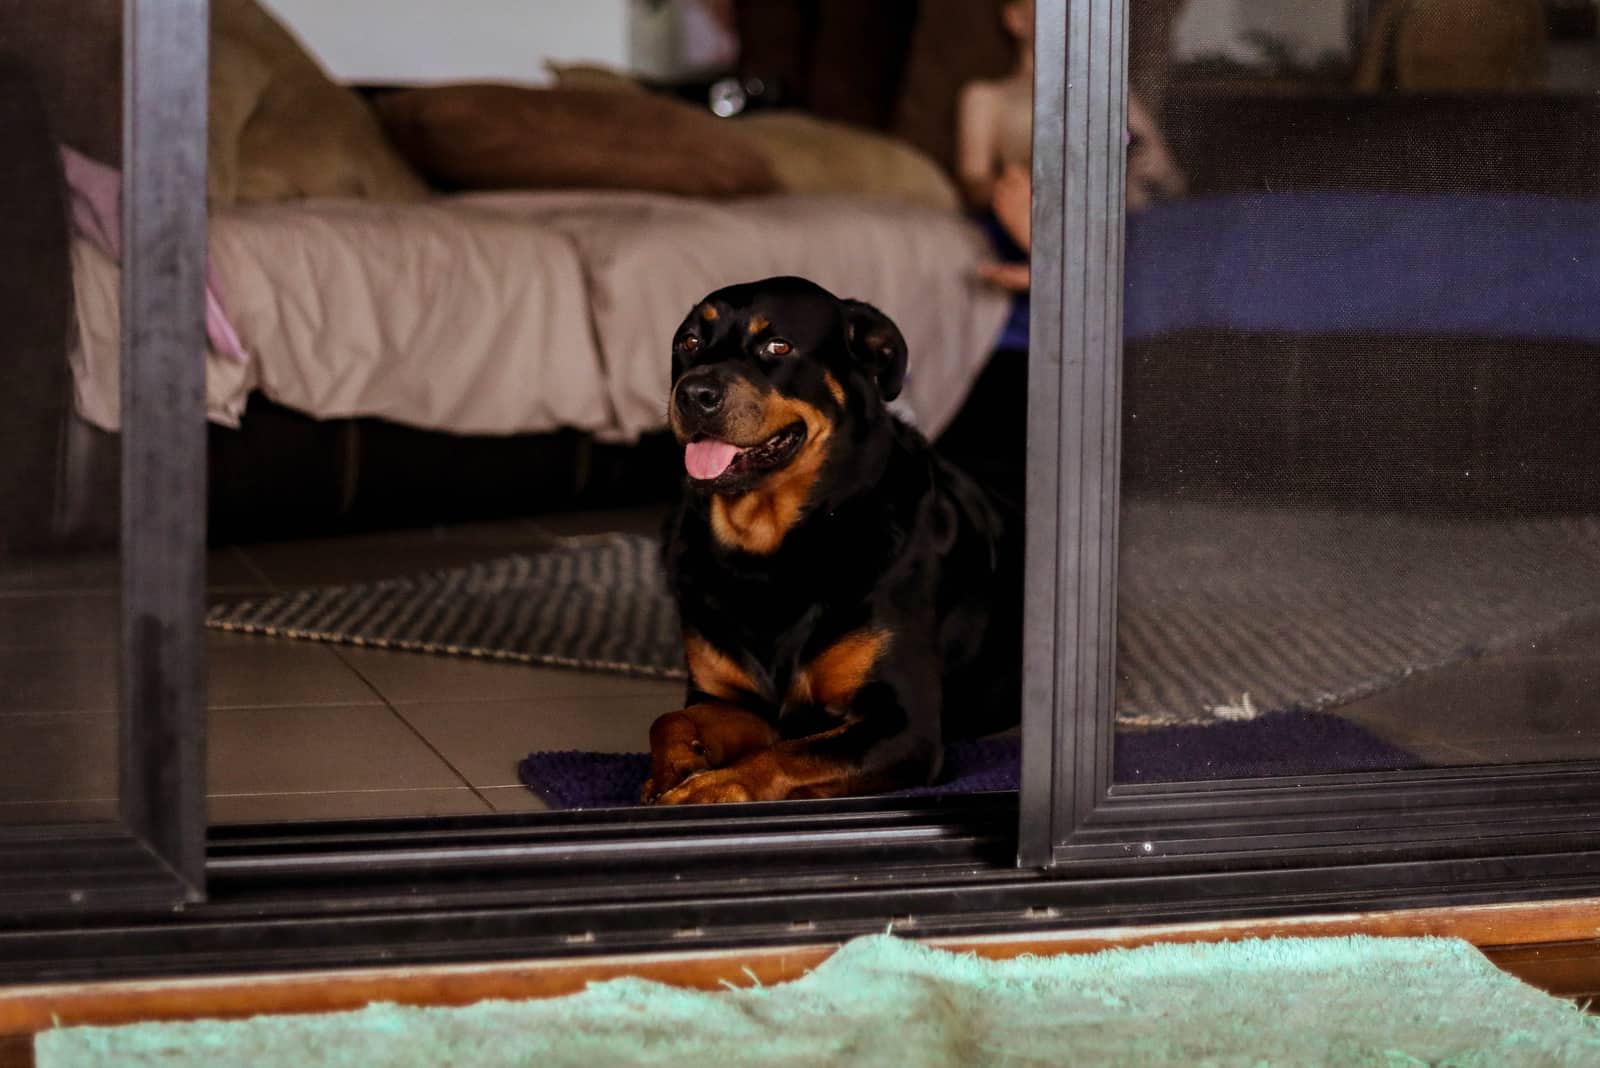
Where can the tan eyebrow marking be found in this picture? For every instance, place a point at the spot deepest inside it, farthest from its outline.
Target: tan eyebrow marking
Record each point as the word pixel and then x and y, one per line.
pixel 708 313
pixel 758 323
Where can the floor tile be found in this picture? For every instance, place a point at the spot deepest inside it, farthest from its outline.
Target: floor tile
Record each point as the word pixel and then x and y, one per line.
pixel 343 805
pixel 367 558
pixel 101 572
pixel 58 757
pixel 1436 751
pixel 61 573
pixel 281 671
pixel 228 570
pixel 1431 750
pixel 1494 698
pixel 309 748
pixel 57 680
pixel 403 678
pixel 513 799
pixel 1528 749
pixel 61 621
pixel 485 740
pixel 91 619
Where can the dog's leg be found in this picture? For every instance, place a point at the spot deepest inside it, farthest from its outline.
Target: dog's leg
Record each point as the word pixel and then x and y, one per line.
pixel 883 688
pixel 849 759
pixel 710 734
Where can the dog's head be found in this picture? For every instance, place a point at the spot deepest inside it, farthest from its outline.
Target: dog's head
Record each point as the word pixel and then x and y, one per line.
pixel 765 374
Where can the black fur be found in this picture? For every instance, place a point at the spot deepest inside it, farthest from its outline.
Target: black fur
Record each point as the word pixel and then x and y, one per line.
pixel 891 537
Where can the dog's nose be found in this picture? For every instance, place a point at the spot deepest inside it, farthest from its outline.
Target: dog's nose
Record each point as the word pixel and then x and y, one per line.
pixel 701 395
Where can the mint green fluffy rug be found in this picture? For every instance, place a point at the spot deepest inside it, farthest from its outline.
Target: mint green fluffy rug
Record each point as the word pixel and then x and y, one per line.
pixel 886 1001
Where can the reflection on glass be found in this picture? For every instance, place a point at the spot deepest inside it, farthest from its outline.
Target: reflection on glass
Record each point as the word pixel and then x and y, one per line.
pixel 1361 520
pixel 59 573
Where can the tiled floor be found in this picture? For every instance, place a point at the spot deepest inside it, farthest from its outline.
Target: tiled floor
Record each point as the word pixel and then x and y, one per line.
pixel 298 729
pixel 1536 703
pixel 303 730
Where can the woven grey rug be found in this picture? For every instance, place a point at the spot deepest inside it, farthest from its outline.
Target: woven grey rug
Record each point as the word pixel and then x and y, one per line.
pixel 597 604
pixel 1224 613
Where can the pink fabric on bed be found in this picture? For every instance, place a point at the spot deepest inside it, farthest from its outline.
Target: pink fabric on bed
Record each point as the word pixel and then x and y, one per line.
pixel 96 194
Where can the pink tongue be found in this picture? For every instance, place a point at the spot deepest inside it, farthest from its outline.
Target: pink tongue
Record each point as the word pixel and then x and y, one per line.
pixel 708 459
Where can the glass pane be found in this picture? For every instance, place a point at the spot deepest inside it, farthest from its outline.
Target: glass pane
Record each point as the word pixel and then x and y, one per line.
pixel 436 404
pixel 1361 518
pixel 59 572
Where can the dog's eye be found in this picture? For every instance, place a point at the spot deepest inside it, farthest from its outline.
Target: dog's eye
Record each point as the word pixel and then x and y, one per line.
pixel 777 347
pixel 690 343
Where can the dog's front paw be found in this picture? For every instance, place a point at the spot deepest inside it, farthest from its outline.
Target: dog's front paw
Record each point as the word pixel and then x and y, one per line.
pixel 666 780
pixel 722 786
pixel 671 767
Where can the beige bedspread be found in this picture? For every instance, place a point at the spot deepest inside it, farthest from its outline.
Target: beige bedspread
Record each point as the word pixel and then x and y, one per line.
pixel 525 312
pixel 433 315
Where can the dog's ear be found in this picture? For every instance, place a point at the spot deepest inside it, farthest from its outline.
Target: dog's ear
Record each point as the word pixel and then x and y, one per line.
pixel 877 345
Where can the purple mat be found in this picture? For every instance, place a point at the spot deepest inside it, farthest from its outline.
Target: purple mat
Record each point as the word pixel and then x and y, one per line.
pixel 1280 743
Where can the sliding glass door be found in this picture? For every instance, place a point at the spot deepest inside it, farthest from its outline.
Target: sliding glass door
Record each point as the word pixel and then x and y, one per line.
pixel 1327 521
pixel 1310 556
pixel 100 639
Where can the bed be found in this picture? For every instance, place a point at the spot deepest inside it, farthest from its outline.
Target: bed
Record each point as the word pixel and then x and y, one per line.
pixel 521 313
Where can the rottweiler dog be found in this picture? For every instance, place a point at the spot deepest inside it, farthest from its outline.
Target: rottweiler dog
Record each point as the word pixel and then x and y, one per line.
pixel 850 601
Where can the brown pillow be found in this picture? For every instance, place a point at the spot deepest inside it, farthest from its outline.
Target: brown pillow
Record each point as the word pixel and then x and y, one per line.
pixel 281 128
pixel 592 76
pixel 812 155
pixel 510 137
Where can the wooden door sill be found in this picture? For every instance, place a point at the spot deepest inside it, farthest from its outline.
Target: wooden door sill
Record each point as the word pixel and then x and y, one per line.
pixel 1553 945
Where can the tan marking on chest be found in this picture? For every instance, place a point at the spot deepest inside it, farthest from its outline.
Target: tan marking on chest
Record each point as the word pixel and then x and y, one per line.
pixel 834 676
pixel 757 521
pixel 715 672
